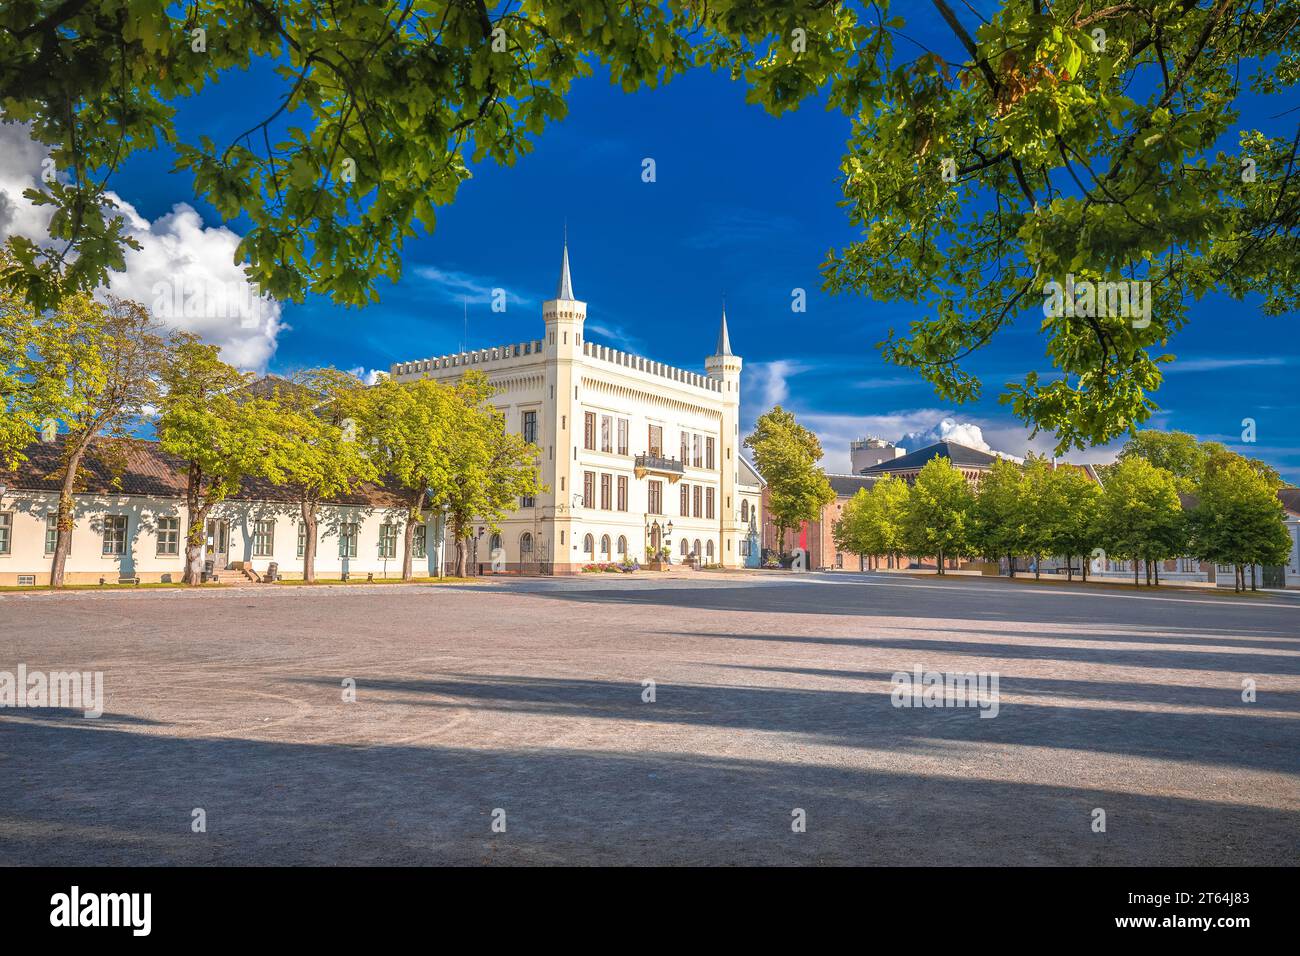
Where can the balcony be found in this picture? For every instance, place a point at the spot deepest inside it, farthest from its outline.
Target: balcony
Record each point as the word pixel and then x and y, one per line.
pixel 655 465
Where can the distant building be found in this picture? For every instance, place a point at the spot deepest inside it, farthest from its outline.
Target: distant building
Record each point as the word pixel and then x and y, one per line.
pixel 865 452
pixel 817 537
pixel 971 462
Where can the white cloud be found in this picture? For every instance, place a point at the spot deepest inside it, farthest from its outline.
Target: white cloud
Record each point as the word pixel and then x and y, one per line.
pixel 184 271
pixel 1215 364
pixel 947 429
pixel 772 380
pixel 369 376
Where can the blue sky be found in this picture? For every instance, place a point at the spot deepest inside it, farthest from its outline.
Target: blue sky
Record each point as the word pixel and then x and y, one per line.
pixel 745 205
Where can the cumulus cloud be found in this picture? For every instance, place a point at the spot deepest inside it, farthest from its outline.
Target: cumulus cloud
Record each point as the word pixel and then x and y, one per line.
pixel 369 376
pixel 947 429
pixel 184 271
pixel 772 380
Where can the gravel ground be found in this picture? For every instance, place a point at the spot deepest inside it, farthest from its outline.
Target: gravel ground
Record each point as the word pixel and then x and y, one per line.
pixel 772 695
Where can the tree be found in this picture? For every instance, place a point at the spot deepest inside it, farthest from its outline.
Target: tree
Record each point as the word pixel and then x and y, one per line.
pixel 388 108
pixel 409 429
pixel 786 455
pixel 938 516
pixel 1238 520
pixel 315 414
pixel 1000 517
pixel 100 363
pixel 1186 458
pixel 1043 510
pixel 491 467
pixel 223 434
pixel 870 522
pixel 1062 143
pixel 1075 516
pixel 22 406
pixel 1141 517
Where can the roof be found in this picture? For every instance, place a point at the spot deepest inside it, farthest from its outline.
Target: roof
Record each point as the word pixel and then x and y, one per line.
pixel 962 456
pixel 724 340
pixel 846 486
pixel 1290 498
pixel 148 471
pixel 748 466
pixel 565 288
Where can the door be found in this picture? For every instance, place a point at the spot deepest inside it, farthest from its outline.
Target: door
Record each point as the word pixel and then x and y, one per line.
pixel 216 546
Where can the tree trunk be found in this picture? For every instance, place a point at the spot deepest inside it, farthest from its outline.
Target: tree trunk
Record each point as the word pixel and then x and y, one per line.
pixel 462 553
pixel 63 538
pixel 1038 567
pixel 1252 578
pixel 1156 565
pixel 309 541
pixel 197 517
pixel 1083 567
pixel 408 533
pixel 1135 573
pixel 1069 569
pixel 938 562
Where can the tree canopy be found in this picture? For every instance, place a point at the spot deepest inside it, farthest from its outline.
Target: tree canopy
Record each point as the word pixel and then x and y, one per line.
pixel 786 455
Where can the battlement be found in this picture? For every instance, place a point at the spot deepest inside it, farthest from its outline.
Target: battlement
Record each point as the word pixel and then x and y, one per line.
pixel 638 363
pixel 496 355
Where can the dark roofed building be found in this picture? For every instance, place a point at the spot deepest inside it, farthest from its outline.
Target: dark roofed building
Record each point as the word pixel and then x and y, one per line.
pixel 970 461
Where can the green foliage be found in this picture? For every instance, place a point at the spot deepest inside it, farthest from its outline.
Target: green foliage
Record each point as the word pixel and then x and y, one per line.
pixel 1001 517
pixel 786 455
pixel 493 467
pixel 1140 517
pixel 1077 503
pixel 938 516
pixel 871 522
pixel 1237 518
pixel 1187 459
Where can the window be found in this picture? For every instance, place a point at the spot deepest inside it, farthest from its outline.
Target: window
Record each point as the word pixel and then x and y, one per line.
pixel 604 546
pixel 589 489
pixel 708 452
pixel 697 497
pixel 348 540
pixel 494 546
pixel 744 547
pixel 708 550
pixel 588 546
pixel 622 436
pixel 420 544
pixel 263 538
pixel 388 540
pixel 606 433
pixel 52 533
pixel 622 492
pixel 656 441
pixel 708 502
pixel 606 492
pixel 527 501
pixel 655 491
pixel 589 431
pixel 530 427
pixel 744 511
pixel 114 534
pixel 686 501
pixel 686 548
pixel 169 536
pixel 622 545
pixel 697 456
pixel 6 531
pixel 686 442
pixel 697 552
pixel 302 538
pixel 526 545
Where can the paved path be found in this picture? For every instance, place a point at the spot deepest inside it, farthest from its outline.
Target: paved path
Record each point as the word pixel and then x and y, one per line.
pixel 772 693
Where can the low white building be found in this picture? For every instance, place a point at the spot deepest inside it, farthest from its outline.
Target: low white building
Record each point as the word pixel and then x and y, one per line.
pixel 130 524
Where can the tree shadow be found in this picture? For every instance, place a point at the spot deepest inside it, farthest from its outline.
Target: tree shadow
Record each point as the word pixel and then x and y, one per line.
pixel 121 798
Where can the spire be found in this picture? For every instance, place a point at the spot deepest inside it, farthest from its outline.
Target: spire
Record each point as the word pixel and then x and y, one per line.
pixel 724 340
pixel 565 290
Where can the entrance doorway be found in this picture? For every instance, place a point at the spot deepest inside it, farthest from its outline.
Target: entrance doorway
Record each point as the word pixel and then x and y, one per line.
pixel 216 544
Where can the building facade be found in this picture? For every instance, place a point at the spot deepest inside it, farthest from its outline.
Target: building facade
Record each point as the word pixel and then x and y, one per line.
pixel 638 457
pixel 130 524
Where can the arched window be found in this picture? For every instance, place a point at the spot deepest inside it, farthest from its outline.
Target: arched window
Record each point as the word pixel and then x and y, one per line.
pixel 744 510
pixel 588 544
pixel 708 549
pixel 622 545
pixel 604 546
pixel 686 547
pixel 698 552
pixel 526 543
pixel 494 545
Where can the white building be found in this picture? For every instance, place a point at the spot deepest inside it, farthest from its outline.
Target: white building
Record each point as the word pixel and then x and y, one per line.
pixel 130 524
pixel 636 455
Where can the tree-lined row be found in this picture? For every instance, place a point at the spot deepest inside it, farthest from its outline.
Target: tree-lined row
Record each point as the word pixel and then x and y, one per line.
pixel 106 369
pixel 1038 510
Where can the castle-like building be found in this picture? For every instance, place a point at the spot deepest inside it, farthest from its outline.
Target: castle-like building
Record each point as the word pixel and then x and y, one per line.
pixel 638 457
